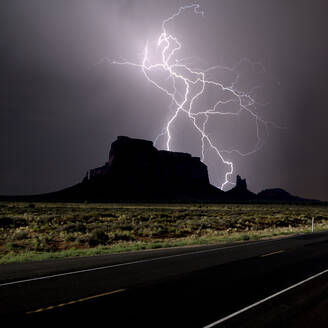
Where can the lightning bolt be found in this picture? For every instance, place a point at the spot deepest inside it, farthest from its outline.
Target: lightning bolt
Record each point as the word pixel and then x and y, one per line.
pixel 183 79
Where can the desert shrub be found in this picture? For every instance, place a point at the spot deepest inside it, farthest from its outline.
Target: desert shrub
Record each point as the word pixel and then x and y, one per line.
pixel 12 245
pixel 142 218
pixel 74 227
pixel 244 237
pixel 42 243
pixel 97 236
pixel 320 218
pixel 126 227
pixel 20 235
pixel 46 219
pixel 82 239
pixel 72 217
pixel 94 214
pixel 123 236
pixel 20 222
pixel 145 232
pixel 160 232
pixel 70 237
pixel 6 222
pixel 94 226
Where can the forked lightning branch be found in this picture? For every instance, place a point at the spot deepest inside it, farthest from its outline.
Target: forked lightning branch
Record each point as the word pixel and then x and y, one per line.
pixel 184 85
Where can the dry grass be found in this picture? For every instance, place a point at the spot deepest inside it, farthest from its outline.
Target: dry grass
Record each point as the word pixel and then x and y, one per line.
pixel 46 230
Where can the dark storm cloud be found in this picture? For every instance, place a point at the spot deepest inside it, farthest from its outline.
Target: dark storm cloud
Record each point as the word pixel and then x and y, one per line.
pixel 61 107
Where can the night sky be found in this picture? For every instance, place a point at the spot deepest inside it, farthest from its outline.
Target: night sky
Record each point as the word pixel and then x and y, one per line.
pixel 61 105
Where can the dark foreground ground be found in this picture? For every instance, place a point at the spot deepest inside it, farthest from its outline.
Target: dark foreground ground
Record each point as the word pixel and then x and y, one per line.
pixel 181 287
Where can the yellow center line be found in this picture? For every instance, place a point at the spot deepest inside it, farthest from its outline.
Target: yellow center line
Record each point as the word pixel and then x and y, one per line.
pixel 76 301
pixel 273 253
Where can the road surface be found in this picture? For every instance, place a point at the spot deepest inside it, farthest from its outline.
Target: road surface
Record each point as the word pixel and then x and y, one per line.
pixel 271 283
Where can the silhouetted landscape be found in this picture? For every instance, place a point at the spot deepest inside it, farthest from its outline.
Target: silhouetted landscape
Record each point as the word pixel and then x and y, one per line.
pixel 137 172
pixel 164 163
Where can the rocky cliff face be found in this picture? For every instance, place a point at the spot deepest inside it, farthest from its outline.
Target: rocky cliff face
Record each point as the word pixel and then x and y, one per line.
pixel 138 160
pixel 136 170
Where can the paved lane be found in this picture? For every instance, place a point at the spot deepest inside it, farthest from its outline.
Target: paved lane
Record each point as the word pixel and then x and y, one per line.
pixel 189 287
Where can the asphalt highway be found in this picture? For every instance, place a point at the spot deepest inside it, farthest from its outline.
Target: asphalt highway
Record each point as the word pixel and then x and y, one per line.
pixel 281 282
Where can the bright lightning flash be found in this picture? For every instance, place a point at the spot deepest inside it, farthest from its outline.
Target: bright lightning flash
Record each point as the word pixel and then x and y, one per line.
pixel 184 80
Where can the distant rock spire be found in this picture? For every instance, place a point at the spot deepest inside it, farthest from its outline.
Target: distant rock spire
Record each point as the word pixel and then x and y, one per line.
pixel 240 191
pixel 241 184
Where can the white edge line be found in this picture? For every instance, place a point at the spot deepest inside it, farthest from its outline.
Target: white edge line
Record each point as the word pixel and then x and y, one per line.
pixel 264 300
pixel 144 261
pixel 133 262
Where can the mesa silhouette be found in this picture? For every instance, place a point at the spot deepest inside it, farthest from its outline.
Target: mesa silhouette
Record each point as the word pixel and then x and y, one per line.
pixel 137 172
